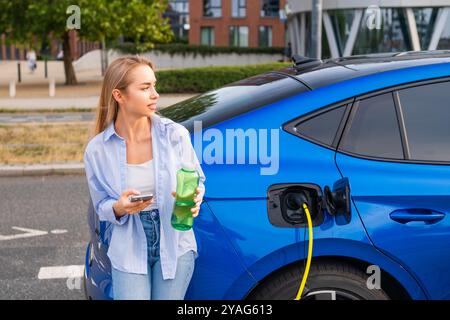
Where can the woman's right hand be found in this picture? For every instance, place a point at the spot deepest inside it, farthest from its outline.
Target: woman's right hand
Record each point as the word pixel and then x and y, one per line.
pixel 123 205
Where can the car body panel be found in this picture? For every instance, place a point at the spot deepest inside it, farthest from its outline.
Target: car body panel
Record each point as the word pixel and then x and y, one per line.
pixel 379 188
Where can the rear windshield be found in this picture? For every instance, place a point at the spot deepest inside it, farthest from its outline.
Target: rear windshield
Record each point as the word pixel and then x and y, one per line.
pixel 232 100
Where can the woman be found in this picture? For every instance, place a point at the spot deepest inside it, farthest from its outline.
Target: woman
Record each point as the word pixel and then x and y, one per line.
pixel 136 151
pixel 31 57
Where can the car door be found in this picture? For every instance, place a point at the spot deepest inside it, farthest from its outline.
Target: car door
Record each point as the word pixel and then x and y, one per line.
pixel 395 151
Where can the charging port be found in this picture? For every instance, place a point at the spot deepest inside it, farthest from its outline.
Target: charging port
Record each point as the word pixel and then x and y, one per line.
pixel 285 204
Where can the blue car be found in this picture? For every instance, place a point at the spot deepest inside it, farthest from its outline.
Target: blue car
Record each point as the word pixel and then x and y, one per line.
pixel 364 141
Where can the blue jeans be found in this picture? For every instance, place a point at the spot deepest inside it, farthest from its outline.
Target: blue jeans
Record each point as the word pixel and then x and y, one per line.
pixel 152 286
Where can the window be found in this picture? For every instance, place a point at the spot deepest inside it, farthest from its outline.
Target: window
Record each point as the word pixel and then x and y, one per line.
pixel 238 8
pixel 178 14
pixel 265 36
pixel 212 8
pixel 323 127
pixel 373 129
pixel 207 36
pixel 234 99
pixel 239 36
pixel 426 113
pixel 270 8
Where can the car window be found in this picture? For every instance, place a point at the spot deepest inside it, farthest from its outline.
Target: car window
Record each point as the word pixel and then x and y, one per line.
pixel 323 127
pixel 234 99
pixel 426 113
pixel 373 129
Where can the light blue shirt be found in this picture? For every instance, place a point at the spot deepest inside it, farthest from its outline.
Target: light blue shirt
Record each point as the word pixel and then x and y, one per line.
pixel 106 173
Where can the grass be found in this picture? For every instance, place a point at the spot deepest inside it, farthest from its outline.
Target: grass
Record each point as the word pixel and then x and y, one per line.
pixel 36 143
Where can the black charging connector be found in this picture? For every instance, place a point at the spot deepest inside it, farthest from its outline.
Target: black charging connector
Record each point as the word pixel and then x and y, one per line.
pixel 294 205
pixel 285 204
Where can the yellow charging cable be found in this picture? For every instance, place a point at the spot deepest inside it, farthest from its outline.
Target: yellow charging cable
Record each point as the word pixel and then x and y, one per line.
pixel 310 248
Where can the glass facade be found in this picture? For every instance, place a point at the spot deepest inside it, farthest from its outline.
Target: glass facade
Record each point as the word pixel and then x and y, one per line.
pixel 444 42
pixel 425 19
pixel 341 21
pixel 388 34
pixel 391 36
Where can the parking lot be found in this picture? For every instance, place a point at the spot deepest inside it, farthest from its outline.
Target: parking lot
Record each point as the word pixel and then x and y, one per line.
pixel 43 235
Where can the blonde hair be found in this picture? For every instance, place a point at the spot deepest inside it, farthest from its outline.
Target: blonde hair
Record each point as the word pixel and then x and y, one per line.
pixel 116 77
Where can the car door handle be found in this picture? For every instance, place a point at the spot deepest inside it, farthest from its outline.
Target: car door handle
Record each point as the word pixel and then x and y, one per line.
pixel 410 215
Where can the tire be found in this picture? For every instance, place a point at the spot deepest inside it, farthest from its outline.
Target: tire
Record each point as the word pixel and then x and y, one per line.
pixel 326 281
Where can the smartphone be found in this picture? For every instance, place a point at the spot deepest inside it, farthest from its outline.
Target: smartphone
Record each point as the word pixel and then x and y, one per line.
pixel 144 197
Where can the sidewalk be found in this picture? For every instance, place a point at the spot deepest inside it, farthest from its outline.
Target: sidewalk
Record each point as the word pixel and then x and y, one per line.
pixel 33 91
pixel 55 69
pixel 41 170
pixel 79 102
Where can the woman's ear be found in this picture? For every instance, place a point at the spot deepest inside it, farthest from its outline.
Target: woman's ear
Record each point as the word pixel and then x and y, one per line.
pixel 117 95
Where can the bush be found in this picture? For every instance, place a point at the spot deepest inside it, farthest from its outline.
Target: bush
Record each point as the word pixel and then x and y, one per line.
pixel 199 80
pixel 180 48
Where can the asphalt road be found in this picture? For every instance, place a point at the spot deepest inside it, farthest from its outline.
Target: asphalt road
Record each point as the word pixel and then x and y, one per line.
pixel 54 207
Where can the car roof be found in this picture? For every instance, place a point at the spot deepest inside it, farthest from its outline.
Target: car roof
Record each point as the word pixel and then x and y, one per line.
pixel 331 71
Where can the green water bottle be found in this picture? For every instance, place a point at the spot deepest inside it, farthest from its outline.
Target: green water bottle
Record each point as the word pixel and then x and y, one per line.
pixel 187 181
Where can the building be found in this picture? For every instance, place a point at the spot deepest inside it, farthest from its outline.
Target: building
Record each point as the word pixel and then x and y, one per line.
pixel 240 23
pixel 367 26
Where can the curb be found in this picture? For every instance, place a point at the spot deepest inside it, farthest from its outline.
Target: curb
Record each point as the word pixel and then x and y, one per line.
pixel 42 170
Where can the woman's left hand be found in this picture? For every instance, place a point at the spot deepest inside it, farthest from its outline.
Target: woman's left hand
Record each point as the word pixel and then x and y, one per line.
pixel 198 201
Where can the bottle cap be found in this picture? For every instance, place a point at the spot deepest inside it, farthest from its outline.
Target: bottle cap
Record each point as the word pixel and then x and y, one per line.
pixel 187 166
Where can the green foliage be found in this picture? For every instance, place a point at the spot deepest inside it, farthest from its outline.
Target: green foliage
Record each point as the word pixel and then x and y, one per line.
pixel 197 80
pixel 179 48
pixel 140 20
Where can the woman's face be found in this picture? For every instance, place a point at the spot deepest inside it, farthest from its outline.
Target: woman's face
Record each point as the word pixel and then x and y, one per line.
pixel 140 97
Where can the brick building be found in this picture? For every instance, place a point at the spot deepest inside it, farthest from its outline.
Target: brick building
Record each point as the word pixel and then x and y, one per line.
pixel 241 23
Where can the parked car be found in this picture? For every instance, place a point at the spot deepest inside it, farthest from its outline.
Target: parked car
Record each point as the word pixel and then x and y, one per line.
pixel 364 140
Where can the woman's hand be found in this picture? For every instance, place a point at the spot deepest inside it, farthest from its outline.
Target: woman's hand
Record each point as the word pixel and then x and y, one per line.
pixel 123 205
pixel 198 201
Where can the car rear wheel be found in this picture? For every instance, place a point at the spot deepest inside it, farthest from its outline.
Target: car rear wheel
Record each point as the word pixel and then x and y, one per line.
pixel 326 281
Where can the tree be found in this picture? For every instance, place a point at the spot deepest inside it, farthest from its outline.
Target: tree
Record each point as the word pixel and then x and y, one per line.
pixel 100 20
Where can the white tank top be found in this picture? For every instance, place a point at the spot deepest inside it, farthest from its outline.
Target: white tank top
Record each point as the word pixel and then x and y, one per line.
pixel 142 178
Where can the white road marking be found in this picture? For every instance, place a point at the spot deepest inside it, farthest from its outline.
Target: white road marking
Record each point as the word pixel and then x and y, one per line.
pixel 28 234
pixel 58 231
pixel 61 272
